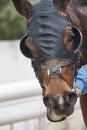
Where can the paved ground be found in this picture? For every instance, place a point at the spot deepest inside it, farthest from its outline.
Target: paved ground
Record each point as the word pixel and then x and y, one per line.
pixel 74 122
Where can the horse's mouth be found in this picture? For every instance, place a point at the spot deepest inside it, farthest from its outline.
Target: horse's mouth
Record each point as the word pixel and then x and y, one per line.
pixel 52 116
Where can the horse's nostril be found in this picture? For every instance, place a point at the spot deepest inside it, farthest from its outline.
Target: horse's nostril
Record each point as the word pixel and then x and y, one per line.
pixel 71 98
pixel 49 101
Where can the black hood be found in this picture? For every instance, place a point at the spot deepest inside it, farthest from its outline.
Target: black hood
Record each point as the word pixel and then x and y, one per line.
pixel 46 29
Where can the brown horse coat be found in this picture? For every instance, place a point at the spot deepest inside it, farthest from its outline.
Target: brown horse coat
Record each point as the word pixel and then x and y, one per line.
pixel 77 10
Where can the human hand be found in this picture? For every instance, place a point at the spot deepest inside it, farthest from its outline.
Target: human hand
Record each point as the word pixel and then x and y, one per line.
pixel 78 92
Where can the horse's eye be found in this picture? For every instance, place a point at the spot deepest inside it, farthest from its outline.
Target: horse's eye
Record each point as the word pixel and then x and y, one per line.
pixel 70 37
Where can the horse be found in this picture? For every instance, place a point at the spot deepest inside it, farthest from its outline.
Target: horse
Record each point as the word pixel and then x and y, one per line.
pixel 56 43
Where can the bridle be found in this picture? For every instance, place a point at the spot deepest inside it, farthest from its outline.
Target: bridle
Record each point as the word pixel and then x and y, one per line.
pixel 52 71
pixel 55 71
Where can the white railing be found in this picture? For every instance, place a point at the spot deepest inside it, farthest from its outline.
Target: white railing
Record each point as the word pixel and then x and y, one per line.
pixel 20 101
pixel 19 90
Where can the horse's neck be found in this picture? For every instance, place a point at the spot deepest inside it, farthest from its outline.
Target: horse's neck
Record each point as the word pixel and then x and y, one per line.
pixel 78 9
pixel 78 16
pixel 83 2
pixel 79 6
pixel 79 2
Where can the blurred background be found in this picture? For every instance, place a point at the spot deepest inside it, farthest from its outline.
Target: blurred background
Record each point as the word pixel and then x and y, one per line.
pixel 12 25
pixel 15 68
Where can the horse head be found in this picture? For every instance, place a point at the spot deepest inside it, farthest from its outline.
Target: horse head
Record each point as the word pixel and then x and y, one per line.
pixel 52 43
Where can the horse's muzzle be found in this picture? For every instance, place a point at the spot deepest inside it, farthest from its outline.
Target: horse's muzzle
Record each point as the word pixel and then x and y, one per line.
pixel 60 107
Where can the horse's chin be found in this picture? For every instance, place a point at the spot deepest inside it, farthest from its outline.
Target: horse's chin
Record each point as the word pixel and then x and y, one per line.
pixel 52 116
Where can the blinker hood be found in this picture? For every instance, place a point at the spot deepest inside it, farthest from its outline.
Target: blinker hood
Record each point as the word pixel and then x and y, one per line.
pixel 24 49
pixel 46 29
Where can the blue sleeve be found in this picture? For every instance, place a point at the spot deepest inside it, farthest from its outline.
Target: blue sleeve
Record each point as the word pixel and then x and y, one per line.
pixel 81 79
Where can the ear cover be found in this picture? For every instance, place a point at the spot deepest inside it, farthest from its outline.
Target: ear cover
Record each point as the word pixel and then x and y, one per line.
pixel 78 38
pixel 24 49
